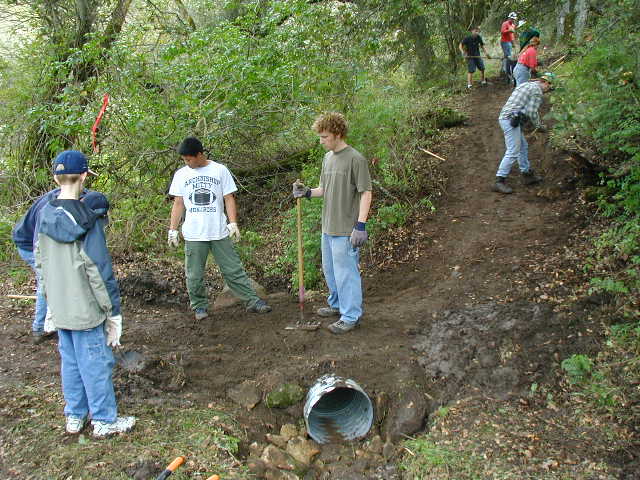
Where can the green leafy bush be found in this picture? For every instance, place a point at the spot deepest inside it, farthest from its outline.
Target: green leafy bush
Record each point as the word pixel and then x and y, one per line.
pixel 578 368
pixel 596 109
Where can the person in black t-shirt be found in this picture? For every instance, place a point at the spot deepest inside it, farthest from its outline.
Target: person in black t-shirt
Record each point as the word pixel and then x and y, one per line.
pixel 470 48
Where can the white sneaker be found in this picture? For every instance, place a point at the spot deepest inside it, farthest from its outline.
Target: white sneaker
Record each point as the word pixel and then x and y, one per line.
pixel 75 424
pixel 104 429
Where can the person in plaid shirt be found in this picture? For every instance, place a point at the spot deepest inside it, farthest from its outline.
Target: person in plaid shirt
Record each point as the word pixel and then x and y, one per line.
pixel 524 103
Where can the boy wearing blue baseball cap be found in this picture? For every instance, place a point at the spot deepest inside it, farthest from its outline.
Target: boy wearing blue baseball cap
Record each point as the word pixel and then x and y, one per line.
pixel 23 237
pixel 74 264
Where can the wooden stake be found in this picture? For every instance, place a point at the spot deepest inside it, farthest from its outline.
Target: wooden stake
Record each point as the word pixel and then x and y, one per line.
pixel 22 297
pixel 433 154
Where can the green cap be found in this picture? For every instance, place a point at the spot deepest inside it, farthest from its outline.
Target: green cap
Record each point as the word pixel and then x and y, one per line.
pixel 548 76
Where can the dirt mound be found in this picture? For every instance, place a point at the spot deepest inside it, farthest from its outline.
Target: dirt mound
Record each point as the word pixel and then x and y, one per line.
pixel 497 349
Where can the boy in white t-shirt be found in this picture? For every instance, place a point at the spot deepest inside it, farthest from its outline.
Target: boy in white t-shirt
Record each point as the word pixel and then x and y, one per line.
pixel 202 190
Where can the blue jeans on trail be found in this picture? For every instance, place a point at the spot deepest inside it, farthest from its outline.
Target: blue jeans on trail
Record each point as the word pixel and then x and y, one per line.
pixel 340 262
pixel 41 302
pixel 87 364
pixel 517 149
pixel 506 50
pixel 521 74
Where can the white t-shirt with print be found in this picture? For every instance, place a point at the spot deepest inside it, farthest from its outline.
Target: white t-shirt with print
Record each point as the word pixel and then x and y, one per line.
pixel 203 190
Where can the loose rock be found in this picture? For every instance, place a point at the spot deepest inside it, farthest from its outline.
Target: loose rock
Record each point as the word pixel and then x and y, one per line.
pixel 245 394
pixel 284 396
pixel 227 298
pixel 274 458
pixel 303 450
pixel 408 415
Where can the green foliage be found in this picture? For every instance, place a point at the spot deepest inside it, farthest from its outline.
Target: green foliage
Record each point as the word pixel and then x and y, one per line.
pixel 429 460
pixel 387 216
pixel 248 245
pixel 6 244
pixel 596 109
pixel 578 368
pixel 287 263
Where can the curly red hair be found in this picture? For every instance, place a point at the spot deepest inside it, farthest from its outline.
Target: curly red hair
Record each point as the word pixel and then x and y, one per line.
pixel 332 122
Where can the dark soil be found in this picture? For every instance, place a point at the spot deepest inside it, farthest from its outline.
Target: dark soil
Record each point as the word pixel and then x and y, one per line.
pixel 460 316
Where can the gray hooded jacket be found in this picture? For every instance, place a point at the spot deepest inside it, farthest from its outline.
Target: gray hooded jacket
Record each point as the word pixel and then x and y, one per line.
pixel 75 265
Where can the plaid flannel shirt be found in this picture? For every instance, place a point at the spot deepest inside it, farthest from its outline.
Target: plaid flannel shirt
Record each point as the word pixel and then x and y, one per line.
pixel 526 98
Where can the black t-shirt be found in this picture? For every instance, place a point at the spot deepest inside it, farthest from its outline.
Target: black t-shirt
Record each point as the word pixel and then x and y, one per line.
pixel 472 44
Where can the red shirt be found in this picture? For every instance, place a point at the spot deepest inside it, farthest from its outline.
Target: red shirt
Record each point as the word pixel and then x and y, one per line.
pixel 529 57
pixel 506 35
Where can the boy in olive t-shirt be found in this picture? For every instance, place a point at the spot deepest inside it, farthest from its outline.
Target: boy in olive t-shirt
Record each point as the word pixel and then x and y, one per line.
pixel 345 185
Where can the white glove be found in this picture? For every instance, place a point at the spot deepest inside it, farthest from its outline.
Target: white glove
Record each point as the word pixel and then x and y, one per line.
pixel 234 232
pixel 49 326
pixel 173 239
pixel 113 330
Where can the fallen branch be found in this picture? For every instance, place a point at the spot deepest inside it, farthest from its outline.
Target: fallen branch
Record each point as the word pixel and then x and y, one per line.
pixel 558 61
pixel 433 154
pixel 22 297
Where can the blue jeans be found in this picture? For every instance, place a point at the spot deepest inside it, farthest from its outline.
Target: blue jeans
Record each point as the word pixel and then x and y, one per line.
pixel 517 149
pixel 41 302
pixel 521 73
pixel 87 363
pixel 506 50
pixel 340 262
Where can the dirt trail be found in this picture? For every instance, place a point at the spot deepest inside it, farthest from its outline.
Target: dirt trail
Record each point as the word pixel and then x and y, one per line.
pixel 463 280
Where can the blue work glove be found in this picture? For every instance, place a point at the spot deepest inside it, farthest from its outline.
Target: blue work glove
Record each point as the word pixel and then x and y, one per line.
pixel 301 190
pixel 359 235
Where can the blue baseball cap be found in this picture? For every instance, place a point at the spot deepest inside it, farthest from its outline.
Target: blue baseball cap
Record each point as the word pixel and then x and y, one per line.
pixel 71 162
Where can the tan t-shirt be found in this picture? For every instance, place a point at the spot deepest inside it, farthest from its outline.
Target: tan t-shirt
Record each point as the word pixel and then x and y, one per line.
pixel 344 176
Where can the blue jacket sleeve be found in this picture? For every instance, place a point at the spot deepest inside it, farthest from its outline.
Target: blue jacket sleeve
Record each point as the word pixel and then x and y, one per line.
pixel 24 232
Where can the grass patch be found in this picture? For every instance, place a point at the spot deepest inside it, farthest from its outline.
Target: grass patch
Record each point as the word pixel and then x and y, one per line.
pixel 35 442
pixel 427 460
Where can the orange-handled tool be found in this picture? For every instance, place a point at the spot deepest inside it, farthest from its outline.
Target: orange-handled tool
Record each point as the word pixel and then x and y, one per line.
pixel 171 468
pixel 214 477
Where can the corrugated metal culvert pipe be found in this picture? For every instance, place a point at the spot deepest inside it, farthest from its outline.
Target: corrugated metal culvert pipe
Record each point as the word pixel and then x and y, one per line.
pixel 337 409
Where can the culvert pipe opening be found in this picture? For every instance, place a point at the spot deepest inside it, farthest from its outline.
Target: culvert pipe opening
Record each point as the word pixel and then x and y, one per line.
pixel 336 410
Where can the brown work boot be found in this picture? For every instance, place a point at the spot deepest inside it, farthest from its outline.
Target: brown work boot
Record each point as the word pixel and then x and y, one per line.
pixel 530 177
pixel 501 187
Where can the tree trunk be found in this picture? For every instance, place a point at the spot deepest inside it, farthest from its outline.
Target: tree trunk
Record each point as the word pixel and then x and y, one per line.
pixel 425 55
pixel 186 16
pixel 565 8
pixel 582 13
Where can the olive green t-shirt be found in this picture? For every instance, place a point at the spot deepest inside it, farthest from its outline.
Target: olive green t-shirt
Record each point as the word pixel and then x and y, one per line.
pixel 344 176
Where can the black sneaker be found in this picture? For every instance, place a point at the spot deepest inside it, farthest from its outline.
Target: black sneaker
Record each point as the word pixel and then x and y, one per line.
pixel 259 307
pixel 328 311
pixel 42 336
pixel 501 187
pixel 341 327
pixel 530 178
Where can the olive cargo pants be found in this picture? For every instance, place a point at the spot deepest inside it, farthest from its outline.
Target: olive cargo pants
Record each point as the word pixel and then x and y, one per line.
pixel 225 255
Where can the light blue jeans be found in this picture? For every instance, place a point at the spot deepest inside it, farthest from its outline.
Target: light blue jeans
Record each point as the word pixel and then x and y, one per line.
pixel 506 50
pixel 41 302
pixel 87 364
pixel 517 149
pixel 521 73
pixel 340 264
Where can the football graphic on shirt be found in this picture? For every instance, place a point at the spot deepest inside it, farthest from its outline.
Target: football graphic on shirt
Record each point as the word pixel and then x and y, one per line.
pixel 202 196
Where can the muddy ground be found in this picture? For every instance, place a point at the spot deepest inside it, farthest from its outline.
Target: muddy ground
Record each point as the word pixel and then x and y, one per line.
pixel 461 317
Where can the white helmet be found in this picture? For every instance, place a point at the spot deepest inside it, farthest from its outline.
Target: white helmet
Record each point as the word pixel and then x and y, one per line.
pixel 513 15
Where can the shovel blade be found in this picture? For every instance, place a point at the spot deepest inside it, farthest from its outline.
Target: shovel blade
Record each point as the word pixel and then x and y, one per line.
pixel 131 360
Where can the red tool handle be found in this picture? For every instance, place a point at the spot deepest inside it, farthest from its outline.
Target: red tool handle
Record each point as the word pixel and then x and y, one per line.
pixel 96 124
